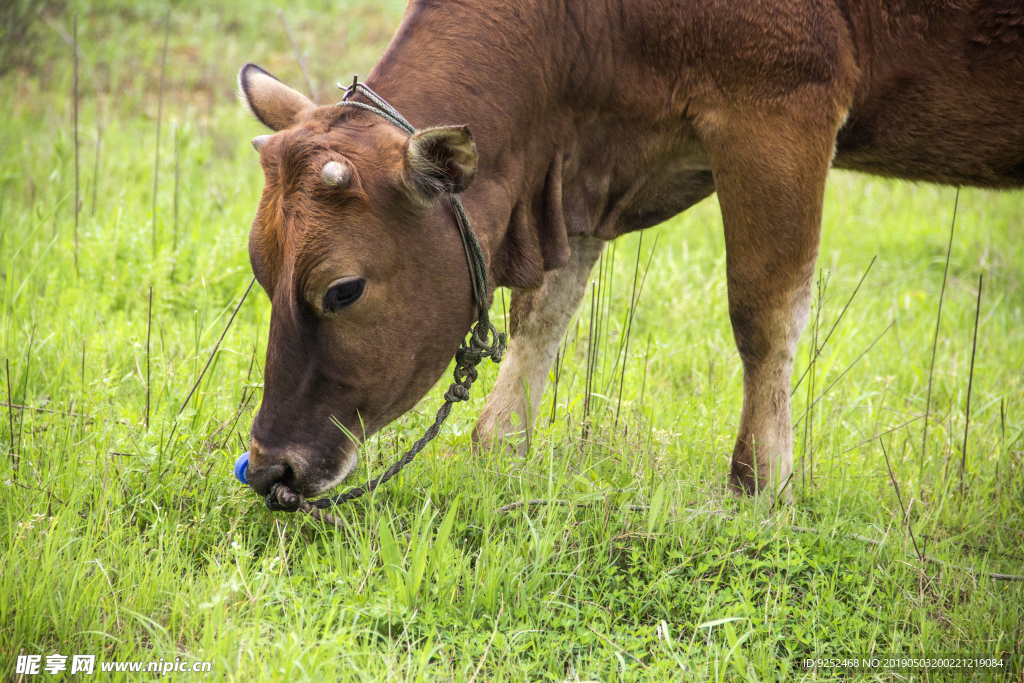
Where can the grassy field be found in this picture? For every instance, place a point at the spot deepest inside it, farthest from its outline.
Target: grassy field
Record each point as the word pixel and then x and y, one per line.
pixel 136 544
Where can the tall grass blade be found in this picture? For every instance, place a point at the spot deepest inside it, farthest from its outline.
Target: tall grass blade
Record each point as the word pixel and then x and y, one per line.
pixel 629 325
pixel 935 340
pixel 970 384
pixel 554 393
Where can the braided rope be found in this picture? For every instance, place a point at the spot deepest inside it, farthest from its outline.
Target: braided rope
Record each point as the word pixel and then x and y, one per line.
pixel 484 340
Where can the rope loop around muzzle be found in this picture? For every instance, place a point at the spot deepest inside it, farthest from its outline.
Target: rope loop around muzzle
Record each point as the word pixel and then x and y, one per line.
pixel 484 340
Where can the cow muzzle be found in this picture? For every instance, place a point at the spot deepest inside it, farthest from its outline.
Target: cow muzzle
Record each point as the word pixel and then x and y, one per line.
pixel 305 473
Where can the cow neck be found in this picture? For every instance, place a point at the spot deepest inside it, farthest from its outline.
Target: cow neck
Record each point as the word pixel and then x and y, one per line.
pixel 565 148
pixel 514 158
pixel 495 200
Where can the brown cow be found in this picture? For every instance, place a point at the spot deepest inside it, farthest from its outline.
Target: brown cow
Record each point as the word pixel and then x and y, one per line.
pixel 591 119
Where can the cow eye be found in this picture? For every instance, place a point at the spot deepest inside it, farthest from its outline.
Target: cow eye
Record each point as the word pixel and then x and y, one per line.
pixel 341 293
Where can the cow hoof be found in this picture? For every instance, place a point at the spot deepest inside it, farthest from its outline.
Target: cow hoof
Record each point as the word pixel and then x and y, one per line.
pixel 746 488
pixel 741 487
pixel 505 442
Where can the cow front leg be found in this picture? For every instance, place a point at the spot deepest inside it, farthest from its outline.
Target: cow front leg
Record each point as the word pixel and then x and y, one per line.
pixel 537 321
pixel 769 172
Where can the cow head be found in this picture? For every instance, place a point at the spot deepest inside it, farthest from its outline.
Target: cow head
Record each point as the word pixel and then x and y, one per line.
pixel 357 249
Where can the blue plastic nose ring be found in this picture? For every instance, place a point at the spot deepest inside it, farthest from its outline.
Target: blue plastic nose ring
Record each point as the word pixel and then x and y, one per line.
pixel 241 465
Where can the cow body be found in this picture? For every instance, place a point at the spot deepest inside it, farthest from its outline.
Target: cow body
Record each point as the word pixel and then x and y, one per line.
pixel 592 119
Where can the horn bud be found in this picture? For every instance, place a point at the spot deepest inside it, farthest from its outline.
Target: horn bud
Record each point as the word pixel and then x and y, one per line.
pixel 259 142
pixel 336 174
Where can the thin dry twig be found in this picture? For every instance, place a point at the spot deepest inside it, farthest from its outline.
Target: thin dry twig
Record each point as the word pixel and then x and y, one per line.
pixel 149 332
pixel 34 409
pixel 811 366
pixel 512 507
pixel 159 116
pixel 935 341
pixel 970 384
pixel 96 166
pixel 232 420
pixel 903 509
pixel 888 431
pixel 298 57
pixel 67 38
pixel 536 502
pixel 834 325
pixel 10 416
pixel 487 649
pixel 843 374
pixel 176 135
pixel 24 384
pixel 782 491
pixel 214 352
pixel 74 54
pixel 243 403
pixel 618 647
pixel 73 42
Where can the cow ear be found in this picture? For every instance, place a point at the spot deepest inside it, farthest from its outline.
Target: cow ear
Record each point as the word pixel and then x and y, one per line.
pixel 272 102
pixel 440 160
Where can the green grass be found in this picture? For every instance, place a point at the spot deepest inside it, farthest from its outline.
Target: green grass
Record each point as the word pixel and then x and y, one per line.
pixel 139 545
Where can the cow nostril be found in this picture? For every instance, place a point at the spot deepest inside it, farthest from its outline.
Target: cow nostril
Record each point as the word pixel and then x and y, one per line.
pixel 262 476
pixel 287 476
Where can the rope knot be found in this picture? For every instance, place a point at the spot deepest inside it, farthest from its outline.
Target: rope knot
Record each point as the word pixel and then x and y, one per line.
pixel 456 393
pixel 467 356
pixel 498 349
pixel 486 338
pixel 281 498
